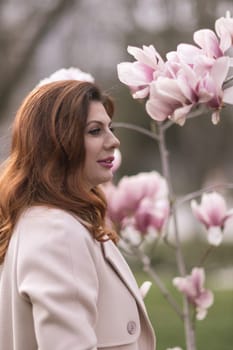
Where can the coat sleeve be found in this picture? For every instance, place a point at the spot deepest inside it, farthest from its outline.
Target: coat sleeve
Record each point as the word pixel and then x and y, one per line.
pixel 57 275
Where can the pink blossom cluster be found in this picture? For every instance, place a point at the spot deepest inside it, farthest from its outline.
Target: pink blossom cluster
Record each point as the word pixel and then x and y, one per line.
pixel 193 287
pixel 139 201
pixel 191 76
pixel 213 213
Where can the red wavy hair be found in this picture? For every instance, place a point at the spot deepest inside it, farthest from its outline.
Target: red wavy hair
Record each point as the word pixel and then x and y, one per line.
pixel 47 157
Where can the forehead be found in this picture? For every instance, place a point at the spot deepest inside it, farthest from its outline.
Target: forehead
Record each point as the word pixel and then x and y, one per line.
pixel 97 113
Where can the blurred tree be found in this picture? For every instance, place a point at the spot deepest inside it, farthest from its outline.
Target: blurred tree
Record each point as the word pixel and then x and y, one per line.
pixel 19 40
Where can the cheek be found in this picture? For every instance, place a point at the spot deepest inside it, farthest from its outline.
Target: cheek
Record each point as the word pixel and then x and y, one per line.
pixel 92 148
pixel 90 155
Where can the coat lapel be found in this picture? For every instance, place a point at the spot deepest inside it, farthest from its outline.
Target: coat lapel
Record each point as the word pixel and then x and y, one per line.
pixel 118 263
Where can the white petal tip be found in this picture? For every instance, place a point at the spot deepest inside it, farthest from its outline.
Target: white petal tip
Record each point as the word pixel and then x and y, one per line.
pixel 145 287
pixel 215 235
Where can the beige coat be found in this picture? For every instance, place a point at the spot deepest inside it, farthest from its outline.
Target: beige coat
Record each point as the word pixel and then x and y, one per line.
pixel 62 290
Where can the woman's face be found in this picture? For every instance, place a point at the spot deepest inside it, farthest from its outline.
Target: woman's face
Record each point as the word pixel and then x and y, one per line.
pixel 100 143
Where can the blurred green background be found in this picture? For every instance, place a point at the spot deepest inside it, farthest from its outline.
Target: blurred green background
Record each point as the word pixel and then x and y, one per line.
pixel 215 332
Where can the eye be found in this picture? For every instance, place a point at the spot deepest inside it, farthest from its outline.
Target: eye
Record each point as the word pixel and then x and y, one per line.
pixel 94 131
pixel 112 129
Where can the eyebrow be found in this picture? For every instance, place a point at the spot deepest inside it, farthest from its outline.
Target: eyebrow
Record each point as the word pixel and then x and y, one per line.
pixel 98 122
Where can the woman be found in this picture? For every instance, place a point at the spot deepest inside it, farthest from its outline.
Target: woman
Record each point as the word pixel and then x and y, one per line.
pixel 64 284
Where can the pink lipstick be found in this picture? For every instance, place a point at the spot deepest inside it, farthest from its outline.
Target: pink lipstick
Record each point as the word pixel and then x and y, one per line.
pixel 107 162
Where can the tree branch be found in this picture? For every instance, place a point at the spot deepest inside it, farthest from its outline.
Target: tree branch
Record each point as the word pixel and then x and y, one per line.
pixel 45 24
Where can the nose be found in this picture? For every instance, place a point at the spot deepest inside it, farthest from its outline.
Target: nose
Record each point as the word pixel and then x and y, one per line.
pixel 112 141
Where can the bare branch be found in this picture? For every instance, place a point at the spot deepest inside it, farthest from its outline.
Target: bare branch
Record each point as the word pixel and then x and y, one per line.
pixel 46 22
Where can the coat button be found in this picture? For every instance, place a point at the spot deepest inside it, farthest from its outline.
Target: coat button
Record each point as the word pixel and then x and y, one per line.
pixel 131 327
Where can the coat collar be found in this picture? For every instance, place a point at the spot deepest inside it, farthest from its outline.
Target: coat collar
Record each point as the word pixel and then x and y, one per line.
pixel 118 263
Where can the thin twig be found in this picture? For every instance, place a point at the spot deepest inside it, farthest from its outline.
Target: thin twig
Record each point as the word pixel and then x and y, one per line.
pixel 228 80
pixel 207 253
pixel 198 193
pixel 188 324
pixel 165 292
pixel 139 129
pixel 194 113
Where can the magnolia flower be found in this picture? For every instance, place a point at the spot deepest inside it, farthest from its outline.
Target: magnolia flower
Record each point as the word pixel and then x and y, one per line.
pixel 209 43
pixel 167 100
pixel 224 29
pixel 176 348
pixel 151 213
pixel 212 84
pixel 193 287
pixel 68 74
pixel 117 160
pixel 193 75
pixel 138 75
pixel 173 97
pixel 212 212
pixel 140 201
pixel 145 287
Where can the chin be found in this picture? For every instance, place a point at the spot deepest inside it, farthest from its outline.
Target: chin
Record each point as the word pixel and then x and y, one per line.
pixel 105 179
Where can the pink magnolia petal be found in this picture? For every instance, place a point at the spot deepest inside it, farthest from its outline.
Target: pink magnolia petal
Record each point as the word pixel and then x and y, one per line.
pixel 170 89
pixel 208 41
pixel 131 235
pixel 219 71
pixel 193 287
pixel 215 235
pixel 202 65
pixel 157 109
pixel 147 55
pixel 212 210
pixel 173 56
pixel 141 93
pixel 214 205
pixel 198 278
pixel 132 189
pixel 171 70
pixel 180 114
pixel 187 80
pixel 204 96
pixel 165 98
pixel 145 287
pixel 229 214
pixel 134 74
pixel 205 89
pixel 117 160
pixel 223 27
pixel 200 313
pixel 187 52
pixel 215 117
pixel 205 300
pixel 228 95
pixel 151 214
pixel 185 285
pixel 199 213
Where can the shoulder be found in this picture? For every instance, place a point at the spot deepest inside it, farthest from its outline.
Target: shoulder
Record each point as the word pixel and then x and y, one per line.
pixel 39 217
pixel 44 225
pixel 53 237
pixel 48 213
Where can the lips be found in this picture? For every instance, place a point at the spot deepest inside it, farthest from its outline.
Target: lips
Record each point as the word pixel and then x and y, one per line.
pixel 106 162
